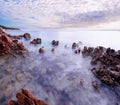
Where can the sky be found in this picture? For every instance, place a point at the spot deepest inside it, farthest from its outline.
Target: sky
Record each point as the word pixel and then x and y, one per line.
pixel 84 14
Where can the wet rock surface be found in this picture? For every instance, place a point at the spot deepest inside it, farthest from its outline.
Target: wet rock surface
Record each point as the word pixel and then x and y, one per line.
pixel 26 98
pixel 8 46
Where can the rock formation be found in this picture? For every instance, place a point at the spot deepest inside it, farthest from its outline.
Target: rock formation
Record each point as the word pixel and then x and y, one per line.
pixel 27 36
pixel 26 98
pixel 10 46
pixel 36 41
pixel 55 43
pixel 107 62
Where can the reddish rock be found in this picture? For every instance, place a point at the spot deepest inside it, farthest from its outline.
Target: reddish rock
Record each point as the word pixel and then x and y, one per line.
pixel 10 47
pixel 26 98
pixel 41 50
pixel 36 41
pixel 55 43
pixel 27 36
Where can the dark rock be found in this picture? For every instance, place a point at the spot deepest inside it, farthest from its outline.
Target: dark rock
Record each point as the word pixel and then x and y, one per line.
pixel 27 36
pixel 36 41
pixel 55 43
pixel 74 45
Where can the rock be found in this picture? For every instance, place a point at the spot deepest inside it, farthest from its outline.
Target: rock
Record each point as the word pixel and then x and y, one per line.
pixel 8 91
pixel 41 50
pixel 15 37
pixel 77 51
pixel 26 98
pixel 36 41
pixel 74 45
pixel 55 43
pixel 27 36
pixel 53 50
pixel 10 47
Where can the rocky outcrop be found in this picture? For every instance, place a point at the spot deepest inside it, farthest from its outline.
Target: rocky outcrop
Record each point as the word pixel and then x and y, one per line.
pixel 26 98
pixel 107 62
pixel 10 46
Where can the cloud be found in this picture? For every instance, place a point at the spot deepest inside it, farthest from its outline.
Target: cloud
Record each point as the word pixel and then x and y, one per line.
pixel 53 13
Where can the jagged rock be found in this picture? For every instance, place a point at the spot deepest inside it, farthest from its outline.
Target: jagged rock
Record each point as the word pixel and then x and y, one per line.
pixel 107 62
pixel 27 36
pixel 26 98
pixel 10 47
pixel 36 41
pixel 55 43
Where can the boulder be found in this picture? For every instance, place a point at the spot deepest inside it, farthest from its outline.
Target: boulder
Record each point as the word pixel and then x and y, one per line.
pixel 26 98
pixel 27 36
pixel 41 50
pixel 55 43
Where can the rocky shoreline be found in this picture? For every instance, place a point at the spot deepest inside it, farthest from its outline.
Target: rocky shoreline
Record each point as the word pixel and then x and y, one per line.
pixel 105 62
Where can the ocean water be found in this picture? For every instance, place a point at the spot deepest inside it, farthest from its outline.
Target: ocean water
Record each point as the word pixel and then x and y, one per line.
pixel 62 77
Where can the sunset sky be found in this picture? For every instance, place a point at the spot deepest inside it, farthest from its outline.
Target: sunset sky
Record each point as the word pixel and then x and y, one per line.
pixel 85 14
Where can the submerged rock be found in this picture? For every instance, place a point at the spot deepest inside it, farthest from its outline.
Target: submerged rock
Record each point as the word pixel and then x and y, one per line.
pixel 26 98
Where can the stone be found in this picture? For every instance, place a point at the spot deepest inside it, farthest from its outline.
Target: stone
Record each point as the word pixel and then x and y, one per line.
pixel 27 36
pixel 55 43
pixel 26 98
pixel 36 41
pixel 74 45
pixel 41 50
pixel 19 76
pixel 10 47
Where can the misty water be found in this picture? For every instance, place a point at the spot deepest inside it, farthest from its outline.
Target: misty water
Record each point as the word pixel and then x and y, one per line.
pixel 62 77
